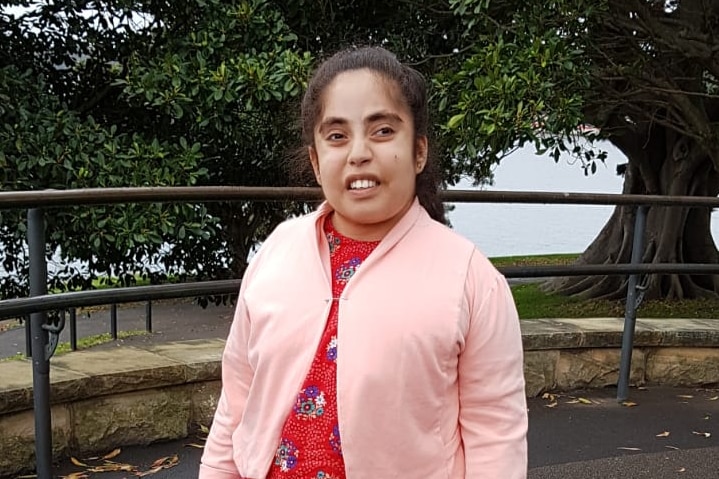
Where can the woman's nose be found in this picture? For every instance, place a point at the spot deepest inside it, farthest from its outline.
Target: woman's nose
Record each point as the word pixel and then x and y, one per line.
pixel 359 152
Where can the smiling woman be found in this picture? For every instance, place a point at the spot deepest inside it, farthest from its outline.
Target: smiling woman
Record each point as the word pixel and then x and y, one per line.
pixel 365 154
pixel 396 329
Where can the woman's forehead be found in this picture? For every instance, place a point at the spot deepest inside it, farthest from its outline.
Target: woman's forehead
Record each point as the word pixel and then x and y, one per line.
pixel 362 93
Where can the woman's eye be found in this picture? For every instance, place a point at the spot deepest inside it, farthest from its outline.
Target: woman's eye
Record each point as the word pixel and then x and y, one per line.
pixel 335 136
pixel 385 131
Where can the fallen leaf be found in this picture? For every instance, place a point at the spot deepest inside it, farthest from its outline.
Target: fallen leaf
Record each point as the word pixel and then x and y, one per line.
pixel 77 462
pixel 198 446
pixel 204 429
pixel 584 401
pixel 113 454
pixel 705 434
pixel 628 404
pixel 674 448
pixel 160 464
pixel 629 448
pixel 663 434
pixel 148 472
pixel 75 475
pixel 642 388
pixel 685 396
pixel 707 417
pixel 714 398
pixel 550 405
pixel 112 467
pixel 28 476
pixel 166 460
pixel 682 469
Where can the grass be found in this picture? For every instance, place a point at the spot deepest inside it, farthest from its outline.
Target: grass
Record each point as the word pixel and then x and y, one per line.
pixel 84 343
pixel 536 260
pixel 103 282
pixel 533 303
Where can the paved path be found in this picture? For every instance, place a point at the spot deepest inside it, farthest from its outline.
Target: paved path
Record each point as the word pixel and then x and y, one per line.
pixel 570 440
pixel 171 321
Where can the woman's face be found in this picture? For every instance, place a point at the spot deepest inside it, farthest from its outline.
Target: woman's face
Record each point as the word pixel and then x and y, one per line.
pixel 365 154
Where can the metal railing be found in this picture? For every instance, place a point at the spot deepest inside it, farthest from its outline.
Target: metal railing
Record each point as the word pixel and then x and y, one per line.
pixel 44 336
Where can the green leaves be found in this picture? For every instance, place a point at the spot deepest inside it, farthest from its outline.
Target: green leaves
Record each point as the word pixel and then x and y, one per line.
pixel 193 92
pixel 455 120
pixel 517 82
pixel 197 92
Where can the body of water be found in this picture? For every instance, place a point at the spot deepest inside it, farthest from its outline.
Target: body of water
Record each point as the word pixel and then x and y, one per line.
pixel 506 229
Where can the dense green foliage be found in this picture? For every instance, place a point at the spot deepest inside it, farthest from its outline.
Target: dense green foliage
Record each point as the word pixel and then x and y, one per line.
pixel 522 79
pixel 139 93
pixel 121 93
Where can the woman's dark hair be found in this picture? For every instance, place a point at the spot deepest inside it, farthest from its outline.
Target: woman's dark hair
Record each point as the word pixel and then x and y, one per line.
pixel 410 84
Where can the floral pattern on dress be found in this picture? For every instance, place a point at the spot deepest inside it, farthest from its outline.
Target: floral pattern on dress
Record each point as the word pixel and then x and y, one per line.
pixel 332 349
pixel 310 403
pixel 335 442
pixel 312 425
pixel 286 455
pixel 347 270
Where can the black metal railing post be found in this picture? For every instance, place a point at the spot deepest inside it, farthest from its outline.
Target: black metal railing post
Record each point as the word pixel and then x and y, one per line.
pixel 73 329
pixel 28 336
pixel 40 358
pixel 148 317
pixel 113 321
pixel 630 310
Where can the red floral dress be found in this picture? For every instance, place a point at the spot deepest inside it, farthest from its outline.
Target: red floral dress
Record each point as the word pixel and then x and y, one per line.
pixel 310 446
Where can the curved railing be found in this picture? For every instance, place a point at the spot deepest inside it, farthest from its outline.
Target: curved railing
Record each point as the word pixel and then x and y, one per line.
pixel 39 303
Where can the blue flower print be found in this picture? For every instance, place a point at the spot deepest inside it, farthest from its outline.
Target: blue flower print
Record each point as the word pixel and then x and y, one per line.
pixel 332 349
pixel 347 270
pixel 324 475
pixel 286 455
pixel 312 391
pixel 310 403
pixel 335 442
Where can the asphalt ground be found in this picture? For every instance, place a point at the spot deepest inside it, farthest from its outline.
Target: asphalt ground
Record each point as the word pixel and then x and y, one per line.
pixel 667 433
pixel 174 320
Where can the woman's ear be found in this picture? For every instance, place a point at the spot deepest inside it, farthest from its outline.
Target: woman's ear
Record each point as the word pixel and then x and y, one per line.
pixel 315 163
pixel 421 152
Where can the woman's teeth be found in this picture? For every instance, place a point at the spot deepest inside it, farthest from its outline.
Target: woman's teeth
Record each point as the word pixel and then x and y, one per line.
pixel 362 184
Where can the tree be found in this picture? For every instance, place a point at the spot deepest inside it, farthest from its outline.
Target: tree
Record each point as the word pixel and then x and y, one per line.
pixel 217 82
pixel 205 92
pixel 644 73
pixel 126 93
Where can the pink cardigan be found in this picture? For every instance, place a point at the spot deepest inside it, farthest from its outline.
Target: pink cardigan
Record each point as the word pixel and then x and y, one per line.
pixel 430 374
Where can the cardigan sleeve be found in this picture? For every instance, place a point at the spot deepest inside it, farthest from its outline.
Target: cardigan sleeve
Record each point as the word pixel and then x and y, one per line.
pixel 217 459
pixel 493 409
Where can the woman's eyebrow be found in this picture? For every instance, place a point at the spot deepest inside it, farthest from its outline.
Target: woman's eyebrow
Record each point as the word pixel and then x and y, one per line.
pixel 384 116
pixel 387 116
pixel 331 121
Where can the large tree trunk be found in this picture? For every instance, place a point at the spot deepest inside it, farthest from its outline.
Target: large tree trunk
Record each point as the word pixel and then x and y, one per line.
pixel 673 166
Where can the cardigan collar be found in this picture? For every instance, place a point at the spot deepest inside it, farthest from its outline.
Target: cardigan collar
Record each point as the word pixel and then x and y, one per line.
pixel 415 214
pixel 410 217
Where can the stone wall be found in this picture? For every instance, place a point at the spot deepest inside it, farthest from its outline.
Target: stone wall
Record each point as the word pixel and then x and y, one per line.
pixel 103 399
